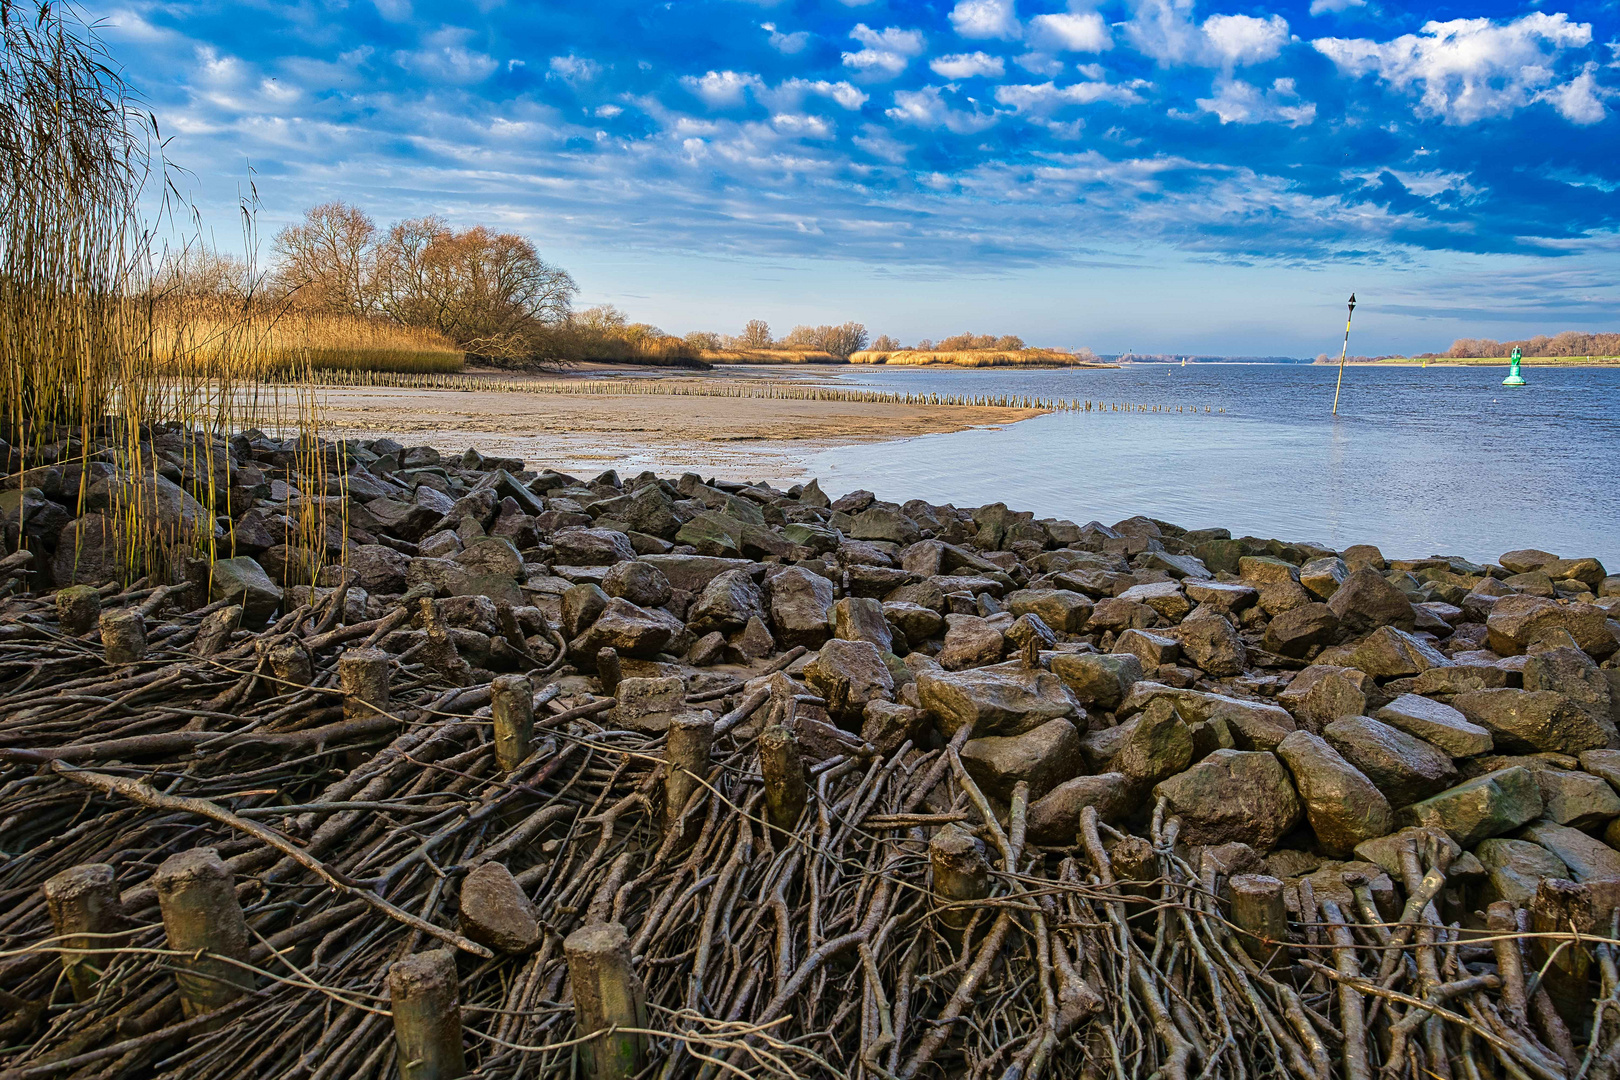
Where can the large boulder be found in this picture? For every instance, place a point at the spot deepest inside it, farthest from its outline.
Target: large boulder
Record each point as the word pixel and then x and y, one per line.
pixel 1486 806
pixel 1569 671
pixel 1517 621
pixel 1295 631
pixel 89 551
pixel 800 603
pixel 1323 693
pixel 378 569
pixel 1514 869
pixel 408 521
pixel 1159 745
pixel 1043 757
pixel 591 547
pixel 1062 609
pixel 1531 721
pixel 1233 795
pixel 490 555
pixel 1276 581
pixel 1389 653
pixel 243 581
pixel 648 703
pixel 1164 597
pixel 726 603
pixel 495 911
pixel 995 701
pixel 1213 644
pixel 849 674
pixel 970 641
pixel 1404 768
pixel 1588 859
pixel 1055 817
pixel 1322 577
pixel 638 582
pixel 1255 725
pixel 1365 601
pixel 1437 723
pixel 1342 805
pixel 633 631
pixel 690 573
pixel 860 618
pixel 1228 598
pixel 1100 679
pixel 1577 799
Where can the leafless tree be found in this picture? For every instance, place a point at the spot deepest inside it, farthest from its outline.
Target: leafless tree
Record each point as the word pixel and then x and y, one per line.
pixel 328 261
pixel 756 335
pixel 885 343
pixel 838 340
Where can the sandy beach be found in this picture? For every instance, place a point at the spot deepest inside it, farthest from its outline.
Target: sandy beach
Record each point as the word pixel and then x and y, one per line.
pixel 762 438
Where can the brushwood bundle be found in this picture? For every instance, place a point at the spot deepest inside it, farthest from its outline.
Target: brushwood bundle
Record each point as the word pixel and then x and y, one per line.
pixel 515 773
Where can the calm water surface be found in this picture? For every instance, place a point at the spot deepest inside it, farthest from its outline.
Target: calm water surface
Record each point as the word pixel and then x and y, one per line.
pixel 1419 461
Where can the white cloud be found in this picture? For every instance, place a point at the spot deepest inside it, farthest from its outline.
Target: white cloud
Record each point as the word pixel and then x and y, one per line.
pixel 1244 39
pixel 789 93
pixel 1471 69
pixel 1238 102
pixel 448 63
pixel 1335 6
pixel 574 68
pixel 722 89
pixel 967 65
pixel 887 52
pixel 1044 97
pixel 1039 63
pixel 1577 100
pixel 608 112
pixel 926 108
pixel 1084 32
pixel 788 44
pixel 985 19
pixel 814 127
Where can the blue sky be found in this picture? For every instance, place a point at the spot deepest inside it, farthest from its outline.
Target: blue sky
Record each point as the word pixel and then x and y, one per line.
pixel 1163 175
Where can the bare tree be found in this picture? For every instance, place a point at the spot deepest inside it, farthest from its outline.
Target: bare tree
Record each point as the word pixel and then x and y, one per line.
pixel 328 261
pixel 885 343
pixel 702 340
pixel 196 271
pixel 838 340
pixel 756 335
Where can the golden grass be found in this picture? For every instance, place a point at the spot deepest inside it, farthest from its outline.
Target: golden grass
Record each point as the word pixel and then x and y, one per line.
pixel 977 358
pixel 195 333
pixel 1488 361
pixel 767 356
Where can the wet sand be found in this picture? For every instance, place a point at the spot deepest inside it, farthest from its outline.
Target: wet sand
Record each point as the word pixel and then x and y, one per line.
pixel 766 439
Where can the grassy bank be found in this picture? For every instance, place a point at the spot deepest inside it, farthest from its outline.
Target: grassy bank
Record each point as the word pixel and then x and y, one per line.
pixel 769 356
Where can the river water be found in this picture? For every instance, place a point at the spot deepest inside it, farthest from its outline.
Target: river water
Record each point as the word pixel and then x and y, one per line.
pixel 1419 461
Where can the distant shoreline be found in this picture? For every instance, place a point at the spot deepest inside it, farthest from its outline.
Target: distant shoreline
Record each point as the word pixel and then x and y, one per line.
pixel 1491 361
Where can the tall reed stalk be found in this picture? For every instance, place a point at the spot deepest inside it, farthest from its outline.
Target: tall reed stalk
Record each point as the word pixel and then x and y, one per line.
pixel 89 374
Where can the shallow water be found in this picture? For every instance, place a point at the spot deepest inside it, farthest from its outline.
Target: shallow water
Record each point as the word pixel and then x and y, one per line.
pixel 1420 461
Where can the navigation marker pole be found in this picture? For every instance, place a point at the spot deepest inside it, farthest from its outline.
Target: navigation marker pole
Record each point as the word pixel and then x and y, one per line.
pixel 1343 353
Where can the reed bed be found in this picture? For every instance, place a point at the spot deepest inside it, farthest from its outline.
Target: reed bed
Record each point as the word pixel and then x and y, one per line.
pixel 977 358
pixel 282 341
pixel 710 388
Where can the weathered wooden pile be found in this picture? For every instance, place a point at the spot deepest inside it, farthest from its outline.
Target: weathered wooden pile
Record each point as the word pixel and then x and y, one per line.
pixel 528 775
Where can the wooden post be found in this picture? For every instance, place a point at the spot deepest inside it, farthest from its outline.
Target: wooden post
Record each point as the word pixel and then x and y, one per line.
pixel 686 761
pixel 427 1016
pixel 363 677
pixel 1503 922
pixel 123 636
pixel 511 704
pixel 78 609
pixel 608 669
pixel 197 895
pixel 961 872
pixel 606 994
pixel 83 900
pixel 291 664
pixel 786 789
pixel 1259 911
pixel 1559 907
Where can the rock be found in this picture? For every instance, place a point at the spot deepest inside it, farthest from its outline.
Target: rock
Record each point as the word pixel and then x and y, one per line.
pixel 1385 851
pixel 1603 763
pixel 848 674
pixel 1389 653
pixel 1515 868
pixel 1150 648
pixel 726 603
pixel 1577 799
pixel 1256 725
pixel 1233 795
pixel 1276 581
pixel 915 622
pixel 1516 621
pixel 1119 615
pixel 638 582
pixel 1297 630
pixel 378 569
pixel 860 618
pixel 1485 806
pixel 1177 566
pixel 495 912
pixel 1362 556
pixel 1228 598
pixel 885 523
pixel 1525 560
pixel 888 726
pixel 1159 746
pixel 407 520
pixel 1100 679
pixel 800 603
pixel 995 701
pixel 632 630
pixel 88 551
pixel 1569 671
pixel 243 581
pixel 1029 628
pixel 27 513
pixel 1436 723
pixel 1054 818
pixel 648 704
pixel 591 547
pixel 753 641
pixel 1341 804
pixel 691 573
pixel 1365 602
pixel 1322 577
pixel 1533 720
pixel 1164 597
pixel 1459 679
pixel 707 650
pixel 491 555
pixel 1404 768
pixel 581 604
pixel 1587 859
pixel 1322 694
pixel 1043 757
pixel 970 641
pixel 1062 609
pixel 1213 644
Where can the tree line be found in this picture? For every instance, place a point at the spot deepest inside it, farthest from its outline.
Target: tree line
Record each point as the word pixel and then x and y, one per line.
pixel 1567 343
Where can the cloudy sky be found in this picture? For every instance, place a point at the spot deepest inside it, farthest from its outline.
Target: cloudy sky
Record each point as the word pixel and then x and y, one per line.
pixel 1162 175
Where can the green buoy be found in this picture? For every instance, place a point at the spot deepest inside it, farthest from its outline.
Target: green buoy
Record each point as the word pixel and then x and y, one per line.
pixel 1514 378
